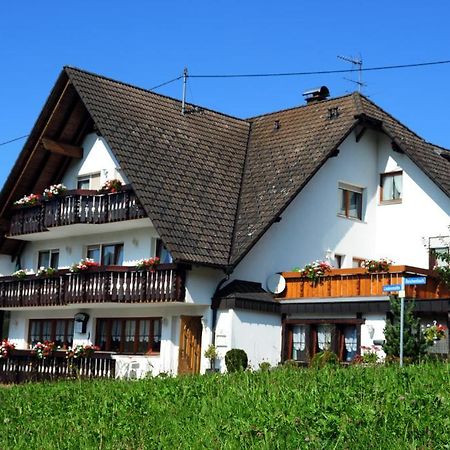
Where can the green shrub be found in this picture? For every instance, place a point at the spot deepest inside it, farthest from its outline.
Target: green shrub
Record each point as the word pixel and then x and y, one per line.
pixel 236 360
pixel 264 366
pixel 322 359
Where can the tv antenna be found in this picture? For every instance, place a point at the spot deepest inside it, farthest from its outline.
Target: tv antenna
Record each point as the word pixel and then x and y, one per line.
pixel 356 65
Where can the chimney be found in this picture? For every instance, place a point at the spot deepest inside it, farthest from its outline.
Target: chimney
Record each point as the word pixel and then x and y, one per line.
pixel 316 94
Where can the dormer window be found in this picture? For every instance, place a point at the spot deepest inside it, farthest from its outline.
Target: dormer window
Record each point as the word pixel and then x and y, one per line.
pixel 90 181
pixel 391 187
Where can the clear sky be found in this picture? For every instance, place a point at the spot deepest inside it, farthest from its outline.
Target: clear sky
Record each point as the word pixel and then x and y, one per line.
pixel 148 42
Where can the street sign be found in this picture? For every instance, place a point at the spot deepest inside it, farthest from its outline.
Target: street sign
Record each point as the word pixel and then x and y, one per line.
pixel 415 280
pixel 392 287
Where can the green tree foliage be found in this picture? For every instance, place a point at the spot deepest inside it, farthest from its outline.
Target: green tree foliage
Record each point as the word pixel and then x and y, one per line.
pixel 236 360
pixel 414 343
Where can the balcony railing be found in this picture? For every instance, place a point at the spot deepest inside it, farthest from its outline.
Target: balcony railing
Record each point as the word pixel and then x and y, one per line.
pixel 74 207
pixel 22 366
pixel 108 284
pixel 359 283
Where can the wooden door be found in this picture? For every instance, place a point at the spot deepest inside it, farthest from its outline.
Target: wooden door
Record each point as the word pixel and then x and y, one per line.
pixel 190 345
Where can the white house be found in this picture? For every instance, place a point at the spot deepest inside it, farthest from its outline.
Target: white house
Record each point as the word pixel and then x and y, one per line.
pixel 226 204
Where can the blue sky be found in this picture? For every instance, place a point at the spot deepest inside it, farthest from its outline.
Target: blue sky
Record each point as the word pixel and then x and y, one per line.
pixel 148 42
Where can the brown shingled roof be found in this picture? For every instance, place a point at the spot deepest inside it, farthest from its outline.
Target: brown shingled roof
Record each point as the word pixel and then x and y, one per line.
pixel 213 184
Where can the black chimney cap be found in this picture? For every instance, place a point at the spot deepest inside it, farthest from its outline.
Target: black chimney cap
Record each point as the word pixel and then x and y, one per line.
pixel 317 94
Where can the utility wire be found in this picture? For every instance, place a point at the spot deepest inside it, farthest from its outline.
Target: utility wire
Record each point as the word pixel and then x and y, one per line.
pixel 319 72
pixel 166 83
pixel 15 139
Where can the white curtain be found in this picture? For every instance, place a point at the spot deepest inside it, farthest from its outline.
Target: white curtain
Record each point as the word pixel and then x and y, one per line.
pixel 324 337
pixel 351 343
pixel 298 340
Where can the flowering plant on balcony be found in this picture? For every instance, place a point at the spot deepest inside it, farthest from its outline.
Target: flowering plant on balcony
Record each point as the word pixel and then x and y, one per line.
pixel 53 191
pixel 46 272
pixel 434 332
pixel 43 349
pixel 442 267
pixel 377 265
pixel 81 351
pixel 147 264
pixel 112 186
pixel 314 270
pixel 28 200
pixel 83 265
pixel 5 348
pixel 20 274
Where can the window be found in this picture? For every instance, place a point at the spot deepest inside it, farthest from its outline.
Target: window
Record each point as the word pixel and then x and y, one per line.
pixel 129 335
pixel 305 338
pixel 338 261
pixel 351 201
pixel 91 181
pixel 391 187
pixel 357 262
pixel 434 259
pixel 48 258
pixel 162 253
pixel 106 254
pixel 60 331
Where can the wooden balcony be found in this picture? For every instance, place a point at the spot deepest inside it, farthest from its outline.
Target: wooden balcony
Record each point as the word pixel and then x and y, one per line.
pixel 109 284
pixel 76 207
pixel 22 366
pixel 358 282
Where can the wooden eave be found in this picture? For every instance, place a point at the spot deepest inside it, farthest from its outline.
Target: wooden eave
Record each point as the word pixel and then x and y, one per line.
pixel 54 140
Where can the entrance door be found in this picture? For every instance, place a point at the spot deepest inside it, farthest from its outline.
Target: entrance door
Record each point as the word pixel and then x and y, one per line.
pixel 190 345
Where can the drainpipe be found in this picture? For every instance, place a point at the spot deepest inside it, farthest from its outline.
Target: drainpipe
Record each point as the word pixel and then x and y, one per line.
pixel 214 310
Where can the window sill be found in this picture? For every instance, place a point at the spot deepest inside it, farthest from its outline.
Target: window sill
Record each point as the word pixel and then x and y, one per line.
pixel 390 202
pixel 354 219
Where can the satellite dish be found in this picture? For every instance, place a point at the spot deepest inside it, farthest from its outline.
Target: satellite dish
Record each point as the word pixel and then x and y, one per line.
pixel 276 283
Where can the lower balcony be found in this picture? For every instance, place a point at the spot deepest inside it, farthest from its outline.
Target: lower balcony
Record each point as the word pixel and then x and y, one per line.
pixel 22 366
pixel 344 283
pixel 108 284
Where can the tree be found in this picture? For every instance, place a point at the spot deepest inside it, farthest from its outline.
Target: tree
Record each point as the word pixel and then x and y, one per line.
pixel 414 343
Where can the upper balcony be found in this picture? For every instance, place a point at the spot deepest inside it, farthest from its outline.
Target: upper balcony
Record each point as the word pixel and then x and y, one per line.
pixel 107 284
pixel 77 212
pixel 347 283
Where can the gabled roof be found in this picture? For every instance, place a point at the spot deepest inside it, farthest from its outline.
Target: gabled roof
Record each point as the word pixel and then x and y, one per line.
pixel 211 184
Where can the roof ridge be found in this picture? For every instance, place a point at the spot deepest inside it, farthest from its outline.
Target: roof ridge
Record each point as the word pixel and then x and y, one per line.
pixel 299 107
pixel 149 91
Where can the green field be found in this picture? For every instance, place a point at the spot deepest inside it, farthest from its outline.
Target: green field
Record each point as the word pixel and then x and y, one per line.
pixel 348 408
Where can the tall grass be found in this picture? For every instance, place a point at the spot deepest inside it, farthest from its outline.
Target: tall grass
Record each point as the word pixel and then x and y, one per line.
pixel 355 408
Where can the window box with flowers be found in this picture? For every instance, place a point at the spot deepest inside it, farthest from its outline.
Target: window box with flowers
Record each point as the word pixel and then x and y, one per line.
pixel 111 186
pixel 377 265
pixel 42 350
pixel 84 265
pixel 5 348
pixel 81 351
pixel 46 272
pixel 148 264
pixel 28 200
pixel 314 271
pixel 53 191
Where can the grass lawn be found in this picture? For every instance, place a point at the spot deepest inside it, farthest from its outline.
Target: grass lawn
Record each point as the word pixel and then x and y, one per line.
pixel 342 408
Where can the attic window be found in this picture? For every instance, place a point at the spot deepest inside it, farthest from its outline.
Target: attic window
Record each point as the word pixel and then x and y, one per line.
pixel 333 113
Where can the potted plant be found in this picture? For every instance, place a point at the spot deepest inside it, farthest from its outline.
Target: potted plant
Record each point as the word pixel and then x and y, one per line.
pixel 84 265
pixel 377 265
pixel 20 274
pixel 28 200
pixel 211 354
pixel 81 351
pixel 111 186
pixel 148 264
pixel 43 350
pixel 5 348
pixel 53 191
pixel 314 271
pixel 46 272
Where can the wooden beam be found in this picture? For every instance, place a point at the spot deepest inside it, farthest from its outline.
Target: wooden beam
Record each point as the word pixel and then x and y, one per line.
pixel 62 149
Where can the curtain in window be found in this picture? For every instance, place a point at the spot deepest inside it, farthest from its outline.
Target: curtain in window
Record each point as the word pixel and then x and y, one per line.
pixel 324 337
pixel 298 340
pixel 392 187
pixel 350 343
pixel 397 187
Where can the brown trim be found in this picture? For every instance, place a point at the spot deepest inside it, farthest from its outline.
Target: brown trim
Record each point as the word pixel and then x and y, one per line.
pixel 61 148
pixel 324 321
pixel 108 331
pixel 53 329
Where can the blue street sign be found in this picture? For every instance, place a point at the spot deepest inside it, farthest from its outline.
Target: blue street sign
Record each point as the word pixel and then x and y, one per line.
pixel 415 280
pixel 392 287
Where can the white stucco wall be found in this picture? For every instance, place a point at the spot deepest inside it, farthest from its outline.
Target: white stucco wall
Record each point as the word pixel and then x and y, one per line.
pixel 258 334
pixel 138 243
pixel 311 226
pixel 6 265
pixel 97 157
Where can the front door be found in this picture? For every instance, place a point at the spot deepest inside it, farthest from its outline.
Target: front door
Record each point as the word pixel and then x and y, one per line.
pixel 190 345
